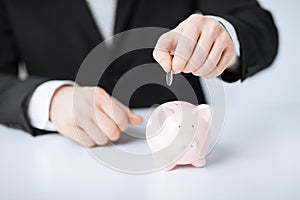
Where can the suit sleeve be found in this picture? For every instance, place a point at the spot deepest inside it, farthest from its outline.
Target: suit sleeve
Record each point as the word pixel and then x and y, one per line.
pixel 14 92
pixel 256 32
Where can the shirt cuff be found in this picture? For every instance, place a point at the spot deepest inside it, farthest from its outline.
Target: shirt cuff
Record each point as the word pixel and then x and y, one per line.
pixel 39 104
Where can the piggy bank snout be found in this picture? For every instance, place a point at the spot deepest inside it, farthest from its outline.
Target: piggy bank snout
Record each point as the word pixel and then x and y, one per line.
pixel 159 121
pixel 164 114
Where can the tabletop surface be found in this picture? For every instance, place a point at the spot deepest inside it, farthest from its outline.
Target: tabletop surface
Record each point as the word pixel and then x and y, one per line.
pixel 257 157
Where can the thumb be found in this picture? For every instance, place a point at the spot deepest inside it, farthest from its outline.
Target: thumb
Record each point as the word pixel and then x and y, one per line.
pixel 163 58
pixel 166 44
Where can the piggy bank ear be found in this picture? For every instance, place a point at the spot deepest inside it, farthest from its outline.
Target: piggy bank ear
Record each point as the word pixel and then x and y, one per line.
pixel 204 111
pixel 164 113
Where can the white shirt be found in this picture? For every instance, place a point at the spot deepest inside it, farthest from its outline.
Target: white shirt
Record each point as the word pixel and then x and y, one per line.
pixel 104 12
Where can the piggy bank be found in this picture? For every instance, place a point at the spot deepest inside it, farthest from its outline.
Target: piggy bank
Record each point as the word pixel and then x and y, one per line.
pixel 183 128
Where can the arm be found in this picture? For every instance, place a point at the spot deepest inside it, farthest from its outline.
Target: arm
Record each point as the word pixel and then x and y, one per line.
pixel 256 32
pixel 203 47
pixel 13 92
pixel 99 117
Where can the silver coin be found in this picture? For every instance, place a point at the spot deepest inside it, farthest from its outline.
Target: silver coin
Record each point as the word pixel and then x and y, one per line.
pixel 169 78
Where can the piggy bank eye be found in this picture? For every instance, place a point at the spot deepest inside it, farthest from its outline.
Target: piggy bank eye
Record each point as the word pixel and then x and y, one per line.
pixel 192 145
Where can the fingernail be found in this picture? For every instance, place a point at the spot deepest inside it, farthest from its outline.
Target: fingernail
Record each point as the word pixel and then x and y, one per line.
pixel 133 114
pixel 138 119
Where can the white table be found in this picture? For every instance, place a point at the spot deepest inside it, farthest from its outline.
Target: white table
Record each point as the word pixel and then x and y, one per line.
pixel 256 158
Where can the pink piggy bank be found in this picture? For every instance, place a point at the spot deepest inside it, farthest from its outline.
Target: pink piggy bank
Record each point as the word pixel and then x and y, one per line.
pixel 181 128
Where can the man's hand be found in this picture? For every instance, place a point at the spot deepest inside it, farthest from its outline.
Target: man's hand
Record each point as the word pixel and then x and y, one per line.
pixel 98 116
pixel 199 45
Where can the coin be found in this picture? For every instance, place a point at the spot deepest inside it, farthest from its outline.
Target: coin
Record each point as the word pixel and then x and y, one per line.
pixel 169 78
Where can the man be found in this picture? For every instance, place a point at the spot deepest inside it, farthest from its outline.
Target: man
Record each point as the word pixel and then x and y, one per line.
pixel 231 38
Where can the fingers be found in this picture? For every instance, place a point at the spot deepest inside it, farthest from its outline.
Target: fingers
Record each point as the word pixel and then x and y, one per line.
pixel 94 119
pixel 203 49
pixel 197 59
pixel 104 120
pixel 115 111
pixel 93 131
pixel 207 34
pixel 220 57
pixel 221 66
pixel 185 48
pixel 133 118
pixel 82 138
pixel 212 60
pixel 104 102
pixel 166 44
pixel 107 125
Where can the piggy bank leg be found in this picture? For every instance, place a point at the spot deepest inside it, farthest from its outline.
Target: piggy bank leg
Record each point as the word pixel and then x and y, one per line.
pixel 199 162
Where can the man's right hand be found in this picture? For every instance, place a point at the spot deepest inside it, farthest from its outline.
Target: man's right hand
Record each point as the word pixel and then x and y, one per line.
pixel 95 118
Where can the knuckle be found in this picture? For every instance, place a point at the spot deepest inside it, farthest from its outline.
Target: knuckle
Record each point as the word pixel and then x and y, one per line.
pixel 196 73
pixel 85 142
pixel 155 54
pixel 225 38
pixel 231 52
pixel 101 140
pixel 222 68
pixel 214 24
pixel 179 27
pixel 86 101
pixel 200 55
pixel 189 68
pixel 100 92
pixel 115 136
pixel 219 72
pixel 178 64
pixel 231 49
pixel 162 38
pixel 89 144
pixel 186 48
pixel 213 27
pixel 113 132
pixel 105 101
pixel 123 122
pixel 197 17
pixel 208 77
pixel 211 62
pixel 224 35
pixel 80 114
pixel 193 65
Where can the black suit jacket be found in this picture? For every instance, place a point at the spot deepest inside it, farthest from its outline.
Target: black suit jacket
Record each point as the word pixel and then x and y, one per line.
pixel 53 37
